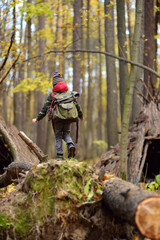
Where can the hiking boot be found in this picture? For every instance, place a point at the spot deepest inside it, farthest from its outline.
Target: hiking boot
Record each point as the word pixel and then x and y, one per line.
pixel 71 151
pixel 59 157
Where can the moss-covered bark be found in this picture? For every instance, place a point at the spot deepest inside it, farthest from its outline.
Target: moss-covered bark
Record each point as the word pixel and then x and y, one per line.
pixel 50 193
pixel 58 200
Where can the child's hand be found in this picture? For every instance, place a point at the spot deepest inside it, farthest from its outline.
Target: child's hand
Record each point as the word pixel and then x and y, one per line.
pixel 34 120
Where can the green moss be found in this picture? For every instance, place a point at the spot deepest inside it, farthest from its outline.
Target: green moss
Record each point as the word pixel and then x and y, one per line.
pixel 43 185
pixel 4 221
pixel 23 223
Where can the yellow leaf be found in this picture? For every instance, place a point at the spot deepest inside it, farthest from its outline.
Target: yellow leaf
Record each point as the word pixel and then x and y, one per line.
pixel 156 36
pixel 110 4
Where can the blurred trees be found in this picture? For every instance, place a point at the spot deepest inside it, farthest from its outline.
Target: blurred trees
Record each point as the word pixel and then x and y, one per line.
pixel 42 30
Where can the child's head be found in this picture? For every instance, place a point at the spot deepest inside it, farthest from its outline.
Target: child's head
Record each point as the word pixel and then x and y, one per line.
pixel 57 78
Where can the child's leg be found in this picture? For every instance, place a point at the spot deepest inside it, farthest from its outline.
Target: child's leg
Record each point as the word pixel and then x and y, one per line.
pixel 58 131
pixel 67 138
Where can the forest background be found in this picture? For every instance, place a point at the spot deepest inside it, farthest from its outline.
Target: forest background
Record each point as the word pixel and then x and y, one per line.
pixel 38 38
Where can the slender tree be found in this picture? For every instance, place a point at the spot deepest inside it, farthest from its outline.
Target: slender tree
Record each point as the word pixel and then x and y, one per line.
pixel 149 47
pixel 100 111
pixel 130 89
pixel 112 130
pixel 41 136
pixel 29 73
pixel 137 104
pixel 77 44
pixel 122 46
pixel 89 101
pixel 77 37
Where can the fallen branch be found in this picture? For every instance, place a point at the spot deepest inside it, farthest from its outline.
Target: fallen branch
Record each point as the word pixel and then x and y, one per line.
pixel 42 157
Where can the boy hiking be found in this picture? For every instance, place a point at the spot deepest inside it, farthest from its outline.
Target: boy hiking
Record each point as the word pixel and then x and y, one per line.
pixel 63 109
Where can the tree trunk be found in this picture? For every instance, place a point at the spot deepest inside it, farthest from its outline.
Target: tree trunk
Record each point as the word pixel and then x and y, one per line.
pixel 29 74
pixel 129 92
pixel 112 129
pixel 99 77
pixel 122 47
pixel 77 45
pixel 137 104
pixel 41 126
pixel 77 32
pixel 133 205
pixel 89 100
pixel 60 36
pixel 149 47
pixel 129 25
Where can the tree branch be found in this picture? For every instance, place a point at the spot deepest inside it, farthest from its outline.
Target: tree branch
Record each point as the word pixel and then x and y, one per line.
pixel 100 52
pixel 7 72
pixel 6 57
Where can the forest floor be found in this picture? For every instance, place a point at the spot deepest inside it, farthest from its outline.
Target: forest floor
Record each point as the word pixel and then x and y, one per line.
pixel 59 200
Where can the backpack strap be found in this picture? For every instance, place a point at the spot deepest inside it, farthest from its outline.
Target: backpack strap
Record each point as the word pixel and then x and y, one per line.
pixel 77 123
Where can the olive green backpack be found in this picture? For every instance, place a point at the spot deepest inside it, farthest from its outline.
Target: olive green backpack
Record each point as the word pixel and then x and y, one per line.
pixel 65 106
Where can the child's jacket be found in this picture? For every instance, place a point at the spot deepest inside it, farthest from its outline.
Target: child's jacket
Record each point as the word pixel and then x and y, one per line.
pixel 60 87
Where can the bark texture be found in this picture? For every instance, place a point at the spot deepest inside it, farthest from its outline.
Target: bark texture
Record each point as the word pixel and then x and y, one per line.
pixel 112 130
pixel 133 205
pixel 144 131
pixel 14 146
pixel 130 90
pixel 122 46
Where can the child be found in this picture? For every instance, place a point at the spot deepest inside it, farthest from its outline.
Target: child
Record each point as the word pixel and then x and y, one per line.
pixel 61 128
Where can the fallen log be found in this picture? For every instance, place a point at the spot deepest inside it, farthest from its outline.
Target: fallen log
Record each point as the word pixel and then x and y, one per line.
pixel 138 207
pixel 12 172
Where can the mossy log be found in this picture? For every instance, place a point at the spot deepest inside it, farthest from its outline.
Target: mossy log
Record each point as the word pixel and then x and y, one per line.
pixel 136 206
pixel 59 200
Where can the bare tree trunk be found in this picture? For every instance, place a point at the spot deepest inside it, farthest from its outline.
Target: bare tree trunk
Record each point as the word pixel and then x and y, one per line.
pixel 99 102
pixel 122 47
pixel 137 104
pixel 89 101
pixel 129 92
pixel 41 130
pixel 112 129
pixel 29 75
pixel 77 36
pixel 60 35
pixel 83 141
pixel 129 25
pixel 77 45
pixel 149 46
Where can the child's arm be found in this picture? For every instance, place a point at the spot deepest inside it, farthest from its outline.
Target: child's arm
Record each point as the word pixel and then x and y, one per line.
pixel 80 113
pixel 44 109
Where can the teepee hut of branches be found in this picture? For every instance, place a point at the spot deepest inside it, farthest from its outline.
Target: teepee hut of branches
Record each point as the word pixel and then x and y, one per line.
pixel 143 147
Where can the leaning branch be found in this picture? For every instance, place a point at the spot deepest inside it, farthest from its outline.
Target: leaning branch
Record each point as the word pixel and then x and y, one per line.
pixel 100 52
pixel 9 69
pixel 9 48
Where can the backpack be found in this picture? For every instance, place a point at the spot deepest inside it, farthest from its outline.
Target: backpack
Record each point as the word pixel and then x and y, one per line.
pixel 65 106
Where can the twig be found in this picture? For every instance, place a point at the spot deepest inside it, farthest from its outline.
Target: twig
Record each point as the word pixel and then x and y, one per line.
pixel 146 87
